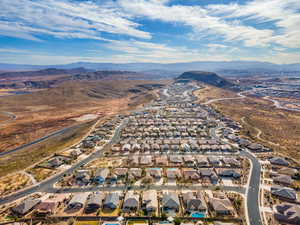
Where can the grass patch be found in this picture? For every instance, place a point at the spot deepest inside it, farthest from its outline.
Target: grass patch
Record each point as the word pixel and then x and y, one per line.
pixel 110 213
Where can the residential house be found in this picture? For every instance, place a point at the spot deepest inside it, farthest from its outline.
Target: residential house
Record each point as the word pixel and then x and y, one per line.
pixel 283 179
pixel 288 213
pixel 136 147
pixel 287 171
pixel 170 202
pixel 126 147
pixel 146 147
pixel 133 160
pixel 215 161
pixel 82 177
pixel 172 173
pixel 194 202
pixel 155 147
pixel 135 173
pixel 161 160
pixel 201 161
pixel 230 161
pixel 146 160
pixel 25 206
pixel 175 159
pixel 233 173
pixel 120 172
pixel 131 202
pixel 75 152
pixel 190 174
pixel 154 172
pixel 279 161
pixel 111 201
pixel 101 175
pixel 56 162
pixel 77 201
pixel 188 160
pixel 45 208
pixel 284 193
pixel 149 201
pixel 94 202
pixel 221 206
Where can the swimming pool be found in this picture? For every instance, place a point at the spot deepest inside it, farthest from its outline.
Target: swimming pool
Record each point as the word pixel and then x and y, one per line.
pixel 198 215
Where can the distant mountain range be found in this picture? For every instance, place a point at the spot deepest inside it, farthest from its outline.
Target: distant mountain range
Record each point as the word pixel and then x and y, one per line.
pixel 228 67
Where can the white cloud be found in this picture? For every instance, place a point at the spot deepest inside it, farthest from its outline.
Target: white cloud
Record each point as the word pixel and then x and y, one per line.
pixel 283 13
pixel 64 19
pixel 200 20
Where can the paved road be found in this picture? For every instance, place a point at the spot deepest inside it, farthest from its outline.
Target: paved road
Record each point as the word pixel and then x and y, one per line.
pixel 56 133
pixel 240 94
pixel 252 192
pixel 278 105
pixel 48 184
pixel 241 190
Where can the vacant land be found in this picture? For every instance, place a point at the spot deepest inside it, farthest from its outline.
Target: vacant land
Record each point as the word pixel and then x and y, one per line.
pixel 211 92
pixel 277 126
pixel 40 174
pixel 13 182
pixel 43 112
pixel 46 111
pixel 29 156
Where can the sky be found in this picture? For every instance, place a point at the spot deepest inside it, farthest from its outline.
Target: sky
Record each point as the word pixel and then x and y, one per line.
pixel 44 32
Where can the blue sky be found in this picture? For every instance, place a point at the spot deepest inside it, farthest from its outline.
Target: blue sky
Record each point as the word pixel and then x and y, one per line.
pixel 65 31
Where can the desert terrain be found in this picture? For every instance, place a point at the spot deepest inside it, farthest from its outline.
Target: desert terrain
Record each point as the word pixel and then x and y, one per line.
pixel 280 129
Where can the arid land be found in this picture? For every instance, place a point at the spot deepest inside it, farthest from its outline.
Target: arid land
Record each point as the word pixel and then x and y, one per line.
pixel 43 112
pixel 277 126
pixel 49 110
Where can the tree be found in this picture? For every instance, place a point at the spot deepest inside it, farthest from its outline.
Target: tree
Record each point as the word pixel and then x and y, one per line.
pixel 177 221
pixel 164 216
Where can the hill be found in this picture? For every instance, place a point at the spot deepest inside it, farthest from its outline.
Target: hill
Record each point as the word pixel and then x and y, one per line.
pixel 205 77
pixel 168 68
pixel 44 72
pixel 52 77
pixel 48 110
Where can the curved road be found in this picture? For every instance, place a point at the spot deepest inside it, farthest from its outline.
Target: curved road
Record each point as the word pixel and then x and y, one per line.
pixel 240 94
pixel 48 184
pixel 259 132
pixel 252 192
pixel 277 104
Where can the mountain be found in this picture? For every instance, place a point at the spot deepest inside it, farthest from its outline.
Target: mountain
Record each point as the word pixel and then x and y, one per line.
pixel 52 77
pixel 169 68
pixel 44 72
pixel 205 77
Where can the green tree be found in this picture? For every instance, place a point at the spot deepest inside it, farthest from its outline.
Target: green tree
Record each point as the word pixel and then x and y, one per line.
pixel 177 221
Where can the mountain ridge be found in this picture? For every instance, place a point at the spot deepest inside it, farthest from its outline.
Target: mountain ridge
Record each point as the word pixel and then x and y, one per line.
pixel 212 66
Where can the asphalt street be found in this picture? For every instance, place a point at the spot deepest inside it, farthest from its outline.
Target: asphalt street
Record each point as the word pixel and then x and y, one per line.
pixel 252 192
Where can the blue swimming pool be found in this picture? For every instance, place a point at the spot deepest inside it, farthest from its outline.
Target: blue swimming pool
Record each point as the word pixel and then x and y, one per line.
pixel 198 215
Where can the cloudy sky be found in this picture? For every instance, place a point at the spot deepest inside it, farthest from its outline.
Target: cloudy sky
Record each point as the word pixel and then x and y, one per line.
pixel 64 31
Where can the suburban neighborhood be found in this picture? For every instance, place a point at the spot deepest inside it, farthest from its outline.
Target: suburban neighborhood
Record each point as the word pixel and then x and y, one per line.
pixel 175 161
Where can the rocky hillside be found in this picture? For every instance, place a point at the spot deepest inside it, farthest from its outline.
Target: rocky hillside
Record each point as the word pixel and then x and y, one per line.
pixel 205 77
pixel 52 77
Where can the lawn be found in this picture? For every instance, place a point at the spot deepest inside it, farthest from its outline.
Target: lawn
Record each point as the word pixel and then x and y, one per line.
pixel 86 223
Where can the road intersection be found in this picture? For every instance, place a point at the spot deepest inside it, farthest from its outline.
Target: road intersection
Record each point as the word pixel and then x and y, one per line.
pixel 251 192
